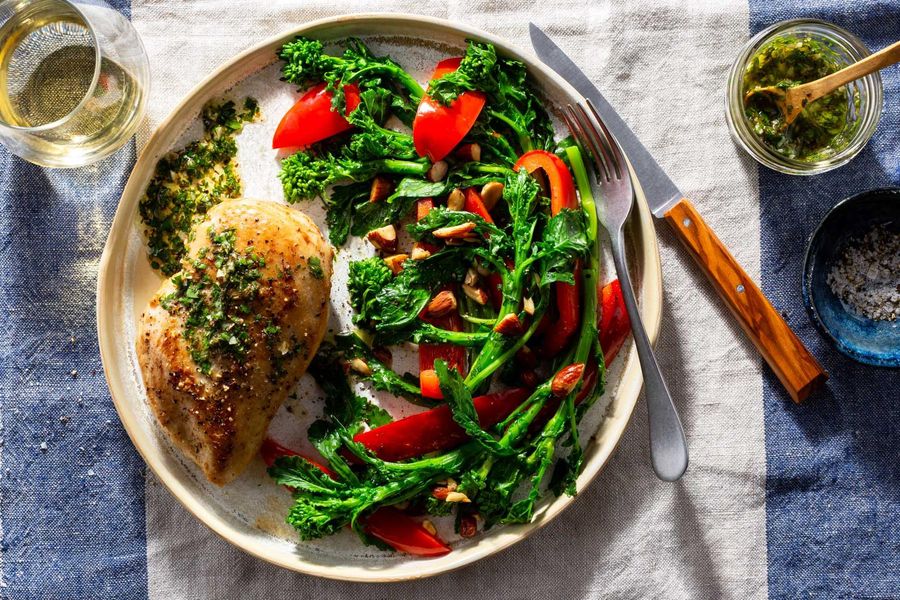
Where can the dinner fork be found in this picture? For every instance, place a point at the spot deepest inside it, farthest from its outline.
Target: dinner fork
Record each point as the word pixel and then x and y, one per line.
pixel 668 448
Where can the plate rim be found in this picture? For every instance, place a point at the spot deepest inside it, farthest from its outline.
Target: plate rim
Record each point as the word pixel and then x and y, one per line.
pixel 625 400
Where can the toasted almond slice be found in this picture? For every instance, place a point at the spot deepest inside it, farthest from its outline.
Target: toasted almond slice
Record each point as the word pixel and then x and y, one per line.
pixel 476 294
pixel 456 200
pixel 381 188
pixel 458 232
pixel 438 171
pixel 491 193
pixel 443 303
pixel 384 238
pixel 566 379
pixel 395 262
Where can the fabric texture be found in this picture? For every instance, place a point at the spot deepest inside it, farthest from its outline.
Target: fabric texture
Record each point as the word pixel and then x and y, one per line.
pixel 80 516
pixel 832 464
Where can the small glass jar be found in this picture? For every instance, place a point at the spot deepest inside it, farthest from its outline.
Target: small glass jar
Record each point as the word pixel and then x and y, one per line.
pixel 865 117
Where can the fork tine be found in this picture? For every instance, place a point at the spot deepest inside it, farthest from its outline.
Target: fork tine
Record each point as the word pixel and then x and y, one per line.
pixel 590 142
pixel 580 140
pixel 599 141
pixel 618 155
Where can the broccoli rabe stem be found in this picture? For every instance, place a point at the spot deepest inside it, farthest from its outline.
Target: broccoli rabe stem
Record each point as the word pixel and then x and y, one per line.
pixel 521 133
pixel 406 80
pixel 430 334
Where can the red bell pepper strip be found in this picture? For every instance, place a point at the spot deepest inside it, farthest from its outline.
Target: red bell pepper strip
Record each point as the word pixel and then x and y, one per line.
pixel 311 119
pixel 495 289
pixel 614 324
pixel 398 530
pixel 429 384
pixel 437 129
pixel 614 328
pixel 435 429
pixel 475 205
pixel 568 296
pixel 403 533
pixel 454 355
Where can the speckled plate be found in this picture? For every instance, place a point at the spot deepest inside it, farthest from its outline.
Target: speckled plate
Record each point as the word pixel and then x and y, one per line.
pixel 250 511
pixel 862 339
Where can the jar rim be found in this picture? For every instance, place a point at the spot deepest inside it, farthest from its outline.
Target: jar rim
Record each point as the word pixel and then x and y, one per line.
pixel 870 89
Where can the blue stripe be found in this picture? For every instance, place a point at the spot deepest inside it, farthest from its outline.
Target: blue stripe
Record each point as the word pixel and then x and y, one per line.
pixel 833 481
pixel 72 486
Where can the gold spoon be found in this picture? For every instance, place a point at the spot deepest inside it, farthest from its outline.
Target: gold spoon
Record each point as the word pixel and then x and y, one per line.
pixel 792 101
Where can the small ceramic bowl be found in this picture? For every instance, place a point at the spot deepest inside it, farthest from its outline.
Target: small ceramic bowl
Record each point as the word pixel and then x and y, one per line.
pixel 862 339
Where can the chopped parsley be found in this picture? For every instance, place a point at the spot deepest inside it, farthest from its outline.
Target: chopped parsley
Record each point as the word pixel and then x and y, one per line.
pixel 315 267
pixel 215 292
pixel 189 182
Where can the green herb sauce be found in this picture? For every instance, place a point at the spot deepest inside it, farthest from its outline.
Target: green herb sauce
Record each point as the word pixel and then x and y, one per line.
pixel 824 127
pixel 216 291
pixel 315 267
pixel 187 183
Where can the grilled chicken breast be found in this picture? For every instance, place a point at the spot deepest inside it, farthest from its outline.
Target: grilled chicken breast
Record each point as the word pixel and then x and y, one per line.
pixel 224 341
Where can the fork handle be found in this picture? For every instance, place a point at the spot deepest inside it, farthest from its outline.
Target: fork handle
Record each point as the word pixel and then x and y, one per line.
pixel 798 370
pixel 668 447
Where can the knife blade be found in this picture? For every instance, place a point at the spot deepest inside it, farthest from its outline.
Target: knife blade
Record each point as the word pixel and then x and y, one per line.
pixel 793 364
pixel 660 191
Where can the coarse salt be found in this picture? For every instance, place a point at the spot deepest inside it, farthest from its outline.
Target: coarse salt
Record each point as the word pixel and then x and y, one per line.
pixel 866 275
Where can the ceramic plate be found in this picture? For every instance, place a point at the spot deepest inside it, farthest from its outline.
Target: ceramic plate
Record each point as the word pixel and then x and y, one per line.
pixel 250 511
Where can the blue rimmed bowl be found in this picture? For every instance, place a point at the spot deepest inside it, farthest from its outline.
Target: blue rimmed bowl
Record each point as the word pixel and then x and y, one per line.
pixel 862 339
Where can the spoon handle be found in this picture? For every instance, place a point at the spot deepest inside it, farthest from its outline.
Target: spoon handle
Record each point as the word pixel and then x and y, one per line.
pixel 881 59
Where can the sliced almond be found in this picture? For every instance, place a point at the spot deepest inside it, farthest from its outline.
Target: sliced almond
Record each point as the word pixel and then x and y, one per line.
pixel 457 497
pixel 468 526
pixel 475 294
pixel 419 253
pixel 438 171
pixel 510 325
pixel 469 152
pixel 429 527
pixel 566 379
pixel 456 200
pixel 528 305
pixel 360 366
pixel 395 262
pixel 384 238
pixel 471 278
pixel 457 232
pixel 381 188
pixel 491 193
pixel 443 303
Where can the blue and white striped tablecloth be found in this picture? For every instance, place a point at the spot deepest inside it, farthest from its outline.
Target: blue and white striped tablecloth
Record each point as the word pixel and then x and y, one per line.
pixel 781 501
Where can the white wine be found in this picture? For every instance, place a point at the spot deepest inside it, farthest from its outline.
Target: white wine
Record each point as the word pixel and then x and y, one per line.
pixel 75 103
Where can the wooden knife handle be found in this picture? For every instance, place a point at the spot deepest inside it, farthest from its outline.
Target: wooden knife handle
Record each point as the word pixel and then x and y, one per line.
pixel 797 369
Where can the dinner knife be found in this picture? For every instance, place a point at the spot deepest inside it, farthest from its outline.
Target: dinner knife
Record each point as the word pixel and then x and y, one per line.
pixel 793 364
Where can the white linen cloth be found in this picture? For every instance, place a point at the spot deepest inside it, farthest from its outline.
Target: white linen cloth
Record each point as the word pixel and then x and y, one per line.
pixel 663 65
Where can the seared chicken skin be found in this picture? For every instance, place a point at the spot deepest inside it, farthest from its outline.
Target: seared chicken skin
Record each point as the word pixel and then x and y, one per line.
pixel 224 341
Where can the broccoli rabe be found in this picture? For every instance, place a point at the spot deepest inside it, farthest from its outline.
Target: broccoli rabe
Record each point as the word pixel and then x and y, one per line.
pixel 305 175
pixel 305 61
pixel 512 101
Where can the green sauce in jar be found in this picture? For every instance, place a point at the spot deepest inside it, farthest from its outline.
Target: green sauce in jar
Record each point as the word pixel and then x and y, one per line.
pixel 825 126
